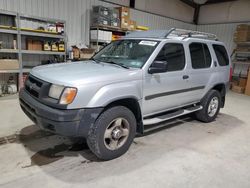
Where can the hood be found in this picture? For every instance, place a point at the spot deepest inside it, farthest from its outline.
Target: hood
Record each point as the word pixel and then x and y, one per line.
pixel 84 72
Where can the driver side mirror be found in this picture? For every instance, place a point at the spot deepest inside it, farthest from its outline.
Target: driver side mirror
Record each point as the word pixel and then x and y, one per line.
pixel 158 67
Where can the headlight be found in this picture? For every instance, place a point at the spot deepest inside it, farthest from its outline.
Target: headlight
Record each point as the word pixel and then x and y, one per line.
pixel 65 95
pixel 68 95
pixel 55 91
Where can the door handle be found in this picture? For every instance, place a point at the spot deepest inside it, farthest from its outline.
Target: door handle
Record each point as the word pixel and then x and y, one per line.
pixel 185 77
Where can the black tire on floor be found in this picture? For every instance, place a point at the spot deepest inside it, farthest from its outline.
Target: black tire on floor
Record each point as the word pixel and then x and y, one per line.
pixel 95 139
pixel 203 114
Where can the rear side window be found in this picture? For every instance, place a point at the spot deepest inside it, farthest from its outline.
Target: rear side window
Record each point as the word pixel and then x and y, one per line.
pixel 221 55
pixel 174 54
pixel 200 55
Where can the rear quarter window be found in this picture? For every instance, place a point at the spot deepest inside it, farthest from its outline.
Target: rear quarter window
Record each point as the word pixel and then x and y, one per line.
pixel 221 54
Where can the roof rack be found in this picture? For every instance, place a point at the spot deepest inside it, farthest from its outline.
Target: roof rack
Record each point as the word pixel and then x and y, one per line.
pixel 191 34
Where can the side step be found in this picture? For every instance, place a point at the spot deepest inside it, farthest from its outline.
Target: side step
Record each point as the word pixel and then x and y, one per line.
pixel 172 115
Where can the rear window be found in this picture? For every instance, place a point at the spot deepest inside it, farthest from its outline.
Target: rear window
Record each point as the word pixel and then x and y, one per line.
pixel 221 55
pixel 200 55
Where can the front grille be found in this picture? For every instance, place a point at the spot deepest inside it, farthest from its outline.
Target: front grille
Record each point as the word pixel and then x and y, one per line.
pixel 35 86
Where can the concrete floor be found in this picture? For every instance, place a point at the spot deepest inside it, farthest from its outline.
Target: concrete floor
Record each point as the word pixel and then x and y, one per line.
pixel 186 154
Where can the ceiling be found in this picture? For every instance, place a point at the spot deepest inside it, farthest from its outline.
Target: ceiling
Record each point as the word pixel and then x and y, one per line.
pixel 194 3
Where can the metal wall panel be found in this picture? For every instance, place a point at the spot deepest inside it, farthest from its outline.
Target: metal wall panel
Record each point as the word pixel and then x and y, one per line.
pixel 76 13
pixel 158 22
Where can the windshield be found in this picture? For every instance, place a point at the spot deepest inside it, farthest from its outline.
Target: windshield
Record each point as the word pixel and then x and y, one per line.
pixel 129 53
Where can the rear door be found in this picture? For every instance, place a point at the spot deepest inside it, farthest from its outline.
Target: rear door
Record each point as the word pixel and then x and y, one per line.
pixel 200 70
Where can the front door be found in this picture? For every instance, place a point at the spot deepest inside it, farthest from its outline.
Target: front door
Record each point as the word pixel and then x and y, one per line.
pixel 163 91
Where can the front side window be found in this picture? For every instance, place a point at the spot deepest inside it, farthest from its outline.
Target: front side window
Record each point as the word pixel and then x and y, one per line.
pixel 200 56
pixel 221 55
pixel 131 53
pixel 174 55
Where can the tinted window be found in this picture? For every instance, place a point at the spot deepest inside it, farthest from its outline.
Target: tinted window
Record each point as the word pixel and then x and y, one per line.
pixel 200 56
pixel 221 55
pixel 174 54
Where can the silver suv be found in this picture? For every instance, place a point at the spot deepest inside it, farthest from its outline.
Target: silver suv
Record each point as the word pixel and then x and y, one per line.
pixel 143 79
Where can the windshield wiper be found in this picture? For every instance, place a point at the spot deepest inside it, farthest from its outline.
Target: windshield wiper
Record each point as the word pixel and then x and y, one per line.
pixel 114 63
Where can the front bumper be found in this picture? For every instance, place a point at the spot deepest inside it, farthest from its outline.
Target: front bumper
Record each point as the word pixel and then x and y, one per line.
pixel 66 122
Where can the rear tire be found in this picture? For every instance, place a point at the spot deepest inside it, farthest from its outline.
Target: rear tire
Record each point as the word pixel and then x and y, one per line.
pixel 211 104
pixel 112 133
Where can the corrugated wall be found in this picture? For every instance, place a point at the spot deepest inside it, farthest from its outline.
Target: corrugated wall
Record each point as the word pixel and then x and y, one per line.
pixel 76 13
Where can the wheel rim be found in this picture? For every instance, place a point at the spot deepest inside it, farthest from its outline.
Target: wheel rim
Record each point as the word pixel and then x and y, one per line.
pixel 116 134
pixel 213 106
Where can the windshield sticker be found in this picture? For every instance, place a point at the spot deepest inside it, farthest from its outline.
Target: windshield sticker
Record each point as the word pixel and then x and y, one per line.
pixel 149 43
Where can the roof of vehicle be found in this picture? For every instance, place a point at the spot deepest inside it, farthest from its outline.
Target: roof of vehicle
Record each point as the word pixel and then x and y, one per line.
pixel 178 34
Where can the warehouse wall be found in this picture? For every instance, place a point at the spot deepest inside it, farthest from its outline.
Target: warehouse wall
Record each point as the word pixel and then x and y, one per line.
pixel 120 2
pixel 235 11
pixel 76 13
pixel 170 8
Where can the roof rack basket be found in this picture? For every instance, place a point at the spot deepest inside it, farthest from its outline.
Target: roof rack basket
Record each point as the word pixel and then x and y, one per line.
pixel 191 34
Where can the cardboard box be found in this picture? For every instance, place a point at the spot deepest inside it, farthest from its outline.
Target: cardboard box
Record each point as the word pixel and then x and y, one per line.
pixel 242 82
pixel 243 27
pixel 9 64
pixel 29 44
pixel 86 53
pixel 34 45
pixel 242 36
pixel 243 48
pixel 76 52
pixel 247 90
pixel 132 25
pixel 124 12
pixel 125 23
pixel 37 45
pixel 238 89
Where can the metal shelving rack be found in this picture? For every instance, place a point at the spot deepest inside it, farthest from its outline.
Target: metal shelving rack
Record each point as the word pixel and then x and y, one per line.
pixel 22 32
pixel 244 64
pixel 105 28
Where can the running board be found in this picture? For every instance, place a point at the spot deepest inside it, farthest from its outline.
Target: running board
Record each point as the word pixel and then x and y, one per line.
pixel 172 115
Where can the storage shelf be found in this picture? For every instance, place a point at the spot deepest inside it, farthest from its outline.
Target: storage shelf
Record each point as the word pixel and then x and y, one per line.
pixel 15 70
pixel 42 34
pixel 42 52
pixel 243 43
pixel 241 52
pixel 108 28
pixel 10 71
pixel 8 51
pixel 239 75
pixel 8 31
pixel 99 41
pixel 241 62
pixel 22 32
pixel 51 20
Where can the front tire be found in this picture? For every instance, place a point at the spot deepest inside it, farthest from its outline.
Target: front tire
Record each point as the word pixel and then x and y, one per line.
pixel 112 133
pixel 211 104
